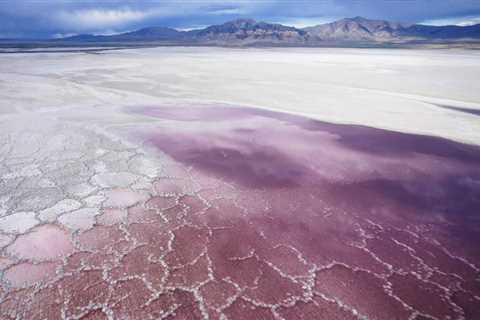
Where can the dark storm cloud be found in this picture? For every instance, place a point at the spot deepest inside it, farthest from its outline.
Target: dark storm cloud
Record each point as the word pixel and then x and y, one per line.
pixel 34 18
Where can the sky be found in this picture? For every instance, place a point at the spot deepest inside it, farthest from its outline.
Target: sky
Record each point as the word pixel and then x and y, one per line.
pixel 57 18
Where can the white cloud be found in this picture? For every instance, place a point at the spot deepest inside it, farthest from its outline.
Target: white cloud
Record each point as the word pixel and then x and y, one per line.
pixel 88 19
pixel 457 21
pixel 63 35
pixel 119 18
pixel 230 11
pixel 304 22
pixel 192 27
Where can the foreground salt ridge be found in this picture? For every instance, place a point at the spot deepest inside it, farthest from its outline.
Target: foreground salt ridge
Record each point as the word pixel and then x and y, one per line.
pixel 170 240
pixel 399 90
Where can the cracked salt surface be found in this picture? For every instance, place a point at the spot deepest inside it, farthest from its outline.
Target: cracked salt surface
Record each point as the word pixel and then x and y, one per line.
pixel 82 219
pixel 45 242
pixel 66 205
pixel 18 222
pixel 270 216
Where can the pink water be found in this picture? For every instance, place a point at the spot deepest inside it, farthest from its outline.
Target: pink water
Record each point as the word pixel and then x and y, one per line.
pixel 279 217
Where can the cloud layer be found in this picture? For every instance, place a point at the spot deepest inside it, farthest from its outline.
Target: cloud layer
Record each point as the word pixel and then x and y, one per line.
pixel 30 18
pixel 99 18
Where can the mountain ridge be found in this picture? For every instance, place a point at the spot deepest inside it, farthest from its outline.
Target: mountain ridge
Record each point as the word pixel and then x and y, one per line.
pixel 244 32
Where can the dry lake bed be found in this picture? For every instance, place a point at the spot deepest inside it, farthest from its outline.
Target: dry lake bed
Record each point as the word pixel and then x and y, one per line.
pixel 208 183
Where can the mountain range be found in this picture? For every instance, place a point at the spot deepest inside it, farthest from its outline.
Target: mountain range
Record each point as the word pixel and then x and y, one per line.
pixel 247 32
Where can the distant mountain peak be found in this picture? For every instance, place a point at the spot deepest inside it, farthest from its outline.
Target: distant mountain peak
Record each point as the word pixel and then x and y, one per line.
pixel 357 29
pixel 251 31
pixel 246 24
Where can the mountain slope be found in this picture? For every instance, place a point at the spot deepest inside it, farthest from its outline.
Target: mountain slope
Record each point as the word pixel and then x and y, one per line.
pixel 250 31
pixel 355 29
pixel 145 34
pixel 152 33
pixel 442 32
pixel 361 29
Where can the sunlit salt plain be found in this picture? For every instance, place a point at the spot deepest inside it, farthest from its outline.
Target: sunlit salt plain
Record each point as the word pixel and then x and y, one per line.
pixel 207 183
